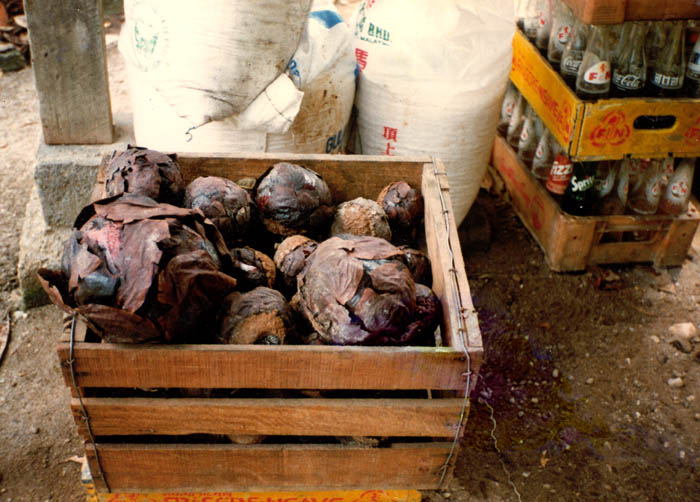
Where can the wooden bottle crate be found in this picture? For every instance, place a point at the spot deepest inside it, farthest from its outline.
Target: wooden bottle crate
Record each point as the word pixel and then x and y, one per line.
pixel 618 11
pixel 571 243
pixel 603 129
pixel 410 397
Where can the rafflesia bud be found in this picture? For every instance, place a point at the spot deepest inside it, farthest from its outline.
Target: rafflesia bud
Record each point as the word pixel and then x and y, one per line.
pixel 293 200
pixel 140 271
pixel 361 217
pixel 290 257
pixel 145 172
pixel 403 206
pixel 419 264
pixel 357 290
pixel 426 320
pixel 226 204
pixel 260 316
pixel 252 268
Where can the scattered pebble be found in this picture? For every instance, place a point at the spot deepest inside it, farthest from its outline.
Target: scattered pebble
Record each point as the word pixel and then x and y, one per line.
pixel 682 454
pixel 690 398
pixel 683 335
pixel 555 373
pixel 628 360
pixel 516 277
pixel 546 486
pixel 655 339
pixel 589 381
pixel 512 400
pixel 637 415
pixel 697 416
pixel 526 474
pixel 522 414
pixel 607 445
pixel 36 430
pixel 19 314
pixel 667 444
pixel 535 400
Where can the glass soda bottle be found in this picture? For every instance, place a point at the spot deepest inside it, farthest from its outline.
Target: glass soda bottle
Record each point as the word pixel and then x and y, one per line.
pixel 528 138
pixel 675 198
pixel 617 43
pixel 645 194
pixel 510 98
pixel 544 25
pixel 562 26
pixel 531 20
pixel 515 126
pixel 572 55
pixel 544 155
pixel 559 176
pixel 692 73
pixel 669 70
pixel 612 192
pixel 593 79
pixel 630 74
pixel 580 194
pixel 654 43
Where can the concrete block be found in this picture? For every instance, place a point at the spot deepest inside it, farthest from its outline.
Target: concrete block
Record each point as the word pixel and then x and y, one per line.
pixel 40 246
pixel 65 174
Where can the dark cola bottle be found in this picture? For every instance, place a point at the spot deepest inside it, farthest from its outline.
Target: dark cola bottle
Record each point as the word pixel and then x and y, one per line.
pixel 669 72
pixel 630 74
pixel 692 73
pixel 593 79
pixel 580 194
pixel 573 53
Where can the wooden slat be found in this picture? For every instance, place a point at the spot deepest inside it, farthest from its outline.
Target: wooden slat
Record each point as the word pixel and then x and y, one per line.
pixel 258 366
pixel 348 176
pixel 294 417
pixel 451 288
pixel 68 57
pixel 131 467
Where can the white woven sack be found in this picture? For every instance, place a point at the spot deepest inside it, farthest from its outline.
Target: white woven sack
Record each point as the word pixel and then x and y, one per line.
pixel 305 110
pixel 431 82
pixel 210 59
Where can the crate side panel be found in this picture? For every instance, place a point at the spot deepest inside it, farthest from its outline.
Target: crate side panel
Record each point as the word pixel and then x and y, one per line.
pixel 296 417
pixel 449 279
pixel 608 131
pixel 132 467
pixel 661 9
pixel 544 89
pixel 599 11
pixel 347 176
pixel 256 366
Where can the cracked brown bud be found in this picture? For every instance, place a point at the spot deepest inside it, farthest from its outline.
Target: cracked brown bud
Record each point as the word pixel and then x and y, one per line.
pixel 225 203
pixel 403 206
pixel 293 200
pixel 361 217
pixel 290 257
pixel 145 172
pixel 356 290
pixel 260 316
pixel 419 264
pixel 252 268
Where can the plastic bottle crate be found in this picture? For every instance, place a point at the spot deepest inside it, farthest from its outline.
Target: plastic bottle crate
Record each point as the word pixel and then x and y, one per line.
pixel 571 243
pixel 607 128
pixel 401 405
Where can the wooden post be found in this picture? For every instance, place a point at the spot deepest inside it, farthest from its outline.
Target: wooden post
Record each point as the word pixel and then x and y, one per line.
pixel 70 70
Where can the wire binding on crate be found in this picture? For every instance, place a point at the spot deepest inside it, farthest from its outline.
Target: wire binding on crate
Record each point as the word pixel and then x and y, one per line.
pixel 462 329
pixel 86 417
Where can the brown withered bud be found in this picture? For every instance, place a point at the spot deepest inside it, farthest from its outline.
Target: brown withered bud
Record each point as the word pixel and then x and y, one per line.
pixel 426 320
pixel 361 217
pixel 260 316
pixel 403 206
pixel 290 257
pixel 356 289
pixel 146 172
pixel 140 271
pixel 225 203
pixel 419 264
pixel 293 200
pixel 251 268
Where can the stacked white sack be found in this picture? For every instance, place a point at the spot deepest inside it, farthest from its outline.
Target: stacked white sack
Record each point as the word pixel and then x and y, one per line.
pixel 432 75
pixel 304 108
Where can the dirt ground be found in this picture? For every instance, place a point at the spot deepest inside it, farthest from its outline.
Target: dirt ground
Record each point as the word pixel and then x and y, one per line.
pixel 575 379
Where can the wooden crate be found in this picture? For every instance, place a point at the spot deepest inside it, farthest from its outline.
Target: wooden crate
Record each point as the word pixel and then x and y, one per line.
pixel 410 396
pixel 618 11
pixel 604 129
pixel 572 242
